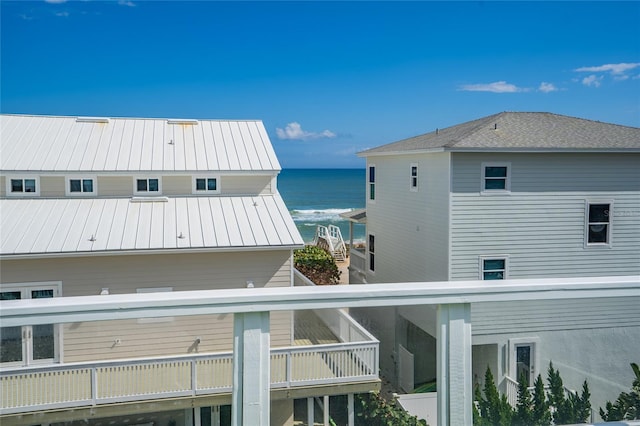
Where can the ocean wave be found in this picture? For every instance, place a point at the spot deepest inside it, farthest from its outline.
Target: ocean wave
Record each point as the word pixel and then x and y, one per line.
pixel 318 215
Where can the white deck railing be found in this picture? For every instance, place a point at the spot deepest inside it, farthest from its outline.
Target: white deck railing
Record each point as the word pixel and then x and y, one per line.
pixel 89 384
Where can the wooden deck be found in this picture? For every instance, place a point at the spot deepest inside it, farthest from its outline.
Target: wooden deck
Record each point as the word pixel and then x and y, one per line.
pixel 310 330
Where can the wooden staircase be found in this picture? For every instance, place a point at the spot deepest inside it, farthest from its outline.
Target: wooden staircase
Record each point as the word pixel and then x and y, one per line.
pixel 330 239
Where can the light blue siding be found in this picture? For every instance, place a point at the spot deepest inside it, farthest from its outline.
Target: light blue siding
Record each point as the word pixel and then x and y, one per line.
pixel 540 225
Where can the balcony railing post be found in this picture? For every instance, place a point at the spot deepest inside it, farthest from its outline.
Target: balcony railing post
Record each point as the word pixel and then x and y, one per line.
pixel 455 395
pixel 94 386
pixel 251 369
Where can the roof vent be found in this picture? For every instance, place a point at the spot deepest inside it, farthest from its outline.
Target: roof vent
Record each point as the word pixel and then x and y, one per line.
pixel 183 121
pixel 92 120
pixel 149 199
pixel 495 126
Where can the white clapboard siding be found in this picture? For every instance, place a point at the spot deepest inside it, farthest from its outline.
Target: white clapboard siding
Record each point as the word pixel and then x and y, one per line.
pixel 540 224
pixel 522 317
pixel 410 228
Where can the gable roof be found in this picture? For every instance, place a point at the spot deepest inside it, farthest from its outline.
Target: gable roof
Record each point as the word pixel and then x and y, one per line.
pixel 86 144
pixel 520 131
pixel 72 226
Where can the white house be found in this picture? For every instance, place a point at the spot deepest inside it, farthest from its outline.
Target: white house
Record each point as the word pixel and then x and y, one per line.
pixel 512 195
pixel 95 206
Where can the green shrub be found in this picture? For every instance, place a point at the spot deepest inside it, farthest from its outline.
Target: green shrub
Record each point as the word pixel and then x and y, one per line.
pixel 317 264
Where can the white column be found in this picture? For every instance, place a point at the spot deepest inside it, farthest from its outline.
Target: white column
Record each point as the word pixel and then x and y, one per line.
pixel 251 378
pixel 350 406
pixel 455 394
pixel 325 411
pixel 310 413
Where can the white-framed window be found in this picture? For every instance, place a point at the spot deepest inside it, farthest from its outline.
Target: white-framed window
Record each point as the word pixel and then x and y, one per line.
pixel 154 290
pixel 413 177
pixel 598 215
pixel 496 178
pixel 206 185
pixel 494 267
pixel 371 248
pixel 82 185
pixel 371 179
pixel 147 185
pixel 30 344
pixel 23 185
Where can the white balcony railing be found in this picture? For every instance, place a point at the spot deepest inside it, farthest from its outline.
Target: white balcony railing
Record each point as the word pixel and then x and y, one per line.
pixel 89 384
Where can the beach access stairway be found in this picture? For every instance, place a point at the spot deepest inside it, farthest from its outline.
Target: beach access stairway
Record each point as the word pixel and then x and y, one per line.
pixel 330 239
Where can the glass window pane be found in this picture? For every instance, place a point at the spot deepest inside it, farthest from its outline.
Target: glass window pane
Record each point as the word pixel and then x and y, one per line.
pixel 372 241
pixel 372 264
pixel 43 341
pixel 16 185
pixel 153 185
pixel 495 172
pixel 372 174
pixel 74 185
pixel 142 185
pixel 598 212
pixel 41 294
pixel 10 295
pixel 495 184
pixel 87 185
pixel 493 264
pixel 493 275
pixel 414 171
pixel 212 184
pixel 372 191
pixel 10 344
pixel 200 184
pixel 414 182
pixel 598 233
pixel 29 185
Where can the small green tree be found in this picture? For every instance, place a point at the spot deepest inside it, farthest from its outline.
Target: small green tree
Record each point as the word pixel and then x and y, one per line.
pixel 562 413
pixel 495 410
pixel 317 264
pixel 376 411
pixel 524 408
pixel 540 415
pixel 627 406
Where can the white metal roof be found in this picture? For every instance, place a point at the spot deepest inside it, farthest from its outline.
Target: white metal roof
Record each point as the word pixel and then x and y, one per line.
pixel 32 227
pixel 91 144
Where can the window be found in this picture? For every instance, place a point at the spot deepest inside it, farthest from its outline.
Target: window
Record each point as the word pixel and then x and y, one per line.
pixel 206 185
pixel 23 186
pixel 372 252
pixel 147 186
pixel 29 344
pixel 81 186
pixel 493 268
pixel 598 223
pixel 496 177
pixel 413 185
pixel 372 182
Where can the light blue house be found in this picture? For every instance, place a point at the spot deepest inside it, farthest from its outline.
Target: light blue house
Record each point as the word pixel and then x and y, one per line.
pixel 512 195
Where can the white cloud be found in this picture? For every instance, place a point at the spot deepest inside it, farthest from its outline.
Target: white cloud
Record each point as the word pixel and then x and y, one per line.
pixel 294 131
pixel 126 3
pixel 496 87
pixel 547 87
pixel 592 80
pixel 614 69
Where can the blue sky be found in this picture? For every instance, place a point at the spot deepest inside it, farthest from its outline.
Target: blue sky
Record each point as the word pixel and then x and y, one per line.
pixel 328 79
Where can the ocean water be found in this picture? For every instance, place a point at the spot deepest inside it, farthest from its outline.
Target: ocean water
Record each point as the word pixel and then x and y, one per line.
pixel 317 197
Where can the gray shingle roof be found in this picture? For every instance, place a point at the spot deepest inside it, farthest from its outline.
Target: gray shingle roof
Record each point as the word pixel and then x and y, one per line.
pixel 513 131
